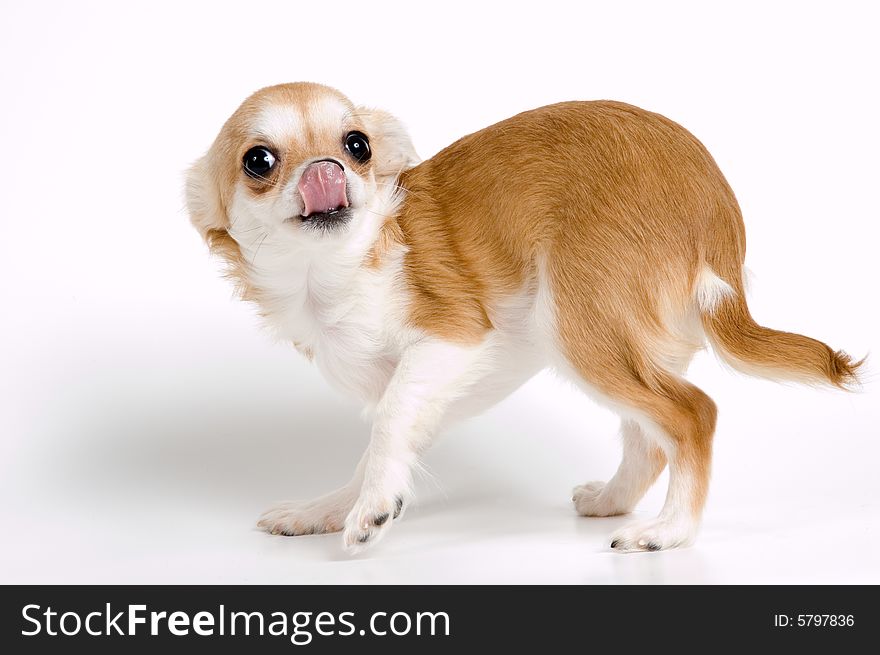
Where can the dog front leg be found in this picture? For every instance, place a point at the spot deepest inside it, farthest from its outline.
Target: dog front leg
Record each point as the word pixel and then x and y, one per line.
pixel 430 375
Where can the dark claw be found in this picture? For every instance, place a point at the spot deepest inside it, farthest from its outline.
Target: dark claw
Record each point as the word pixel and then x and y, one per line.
pixel 364 538
pixel 653 546
pixel 615 543
pixel 379 520
pixel 399 502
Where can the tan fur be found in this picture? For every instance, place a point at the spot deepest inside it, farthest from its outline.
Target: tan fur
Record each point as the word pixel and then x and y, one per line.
pixel 761 351
pixel 627 212
pixel 626 207
pixel 390 236
pixel 213 178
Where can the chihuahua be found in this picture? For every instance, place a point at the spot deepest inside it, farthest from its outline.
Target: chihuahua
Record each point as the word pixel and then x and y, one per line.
pixel 595 238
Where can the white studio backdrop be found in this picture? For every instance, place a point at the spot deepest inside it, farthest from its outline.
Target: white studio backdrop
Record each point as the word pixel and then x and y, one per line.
pixel 146 420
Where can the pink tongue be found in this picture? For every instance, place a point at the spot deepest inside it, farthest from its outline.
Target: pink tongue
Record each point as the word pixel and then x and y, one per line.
pixel 322 187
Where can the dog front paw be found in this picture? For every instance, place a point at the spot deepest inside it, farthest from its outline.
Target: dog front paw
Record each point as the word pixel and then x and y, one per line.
pixel 369 520
pixel 319 516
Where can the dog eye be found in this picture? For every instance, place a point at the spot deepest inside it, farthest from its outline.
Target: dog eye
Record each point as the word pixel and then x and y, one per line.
pixel 358 146
pixel 258 162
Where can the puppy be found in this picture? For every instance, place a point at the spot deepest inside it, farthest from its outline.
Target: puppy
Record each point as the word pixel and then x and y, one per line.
pixel 592 237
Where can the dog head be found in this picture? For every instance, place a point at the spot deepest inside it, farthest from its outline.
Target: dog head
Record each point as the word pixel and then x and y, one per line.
pixel 298 164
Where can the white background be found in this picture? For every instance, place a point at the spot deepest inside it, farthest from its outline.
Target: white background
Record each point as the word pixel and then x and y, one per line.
pixel 147 420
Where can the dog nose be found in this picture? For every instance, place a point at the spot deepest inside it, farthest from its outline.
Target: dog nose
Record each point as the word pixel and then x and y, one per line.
pixel 322 187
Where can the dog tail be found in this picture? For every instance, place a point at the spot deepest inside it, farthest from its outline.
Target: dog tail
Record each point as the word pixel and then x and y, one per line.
pixel 760 351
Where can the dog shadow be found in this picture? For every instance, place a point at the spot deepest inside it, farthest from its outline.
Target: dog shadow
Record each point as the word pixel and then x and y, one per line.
pixel 203 445
pixel 245 436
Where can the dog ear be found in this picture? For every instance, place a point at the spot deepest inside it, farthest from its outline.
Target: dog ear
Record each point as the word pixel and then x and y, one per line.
pixel 203 201
pixel 393 151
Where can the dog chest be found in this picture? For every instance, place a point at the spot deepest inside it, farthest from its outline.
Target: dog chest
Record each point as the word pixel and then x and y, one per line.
pixel 348 329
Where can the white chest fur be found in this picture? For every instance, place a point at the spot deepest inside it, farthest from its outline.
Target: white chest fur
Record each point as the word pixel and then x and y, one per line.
pixel 348 328
pixel 344 318
pixel 322 298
